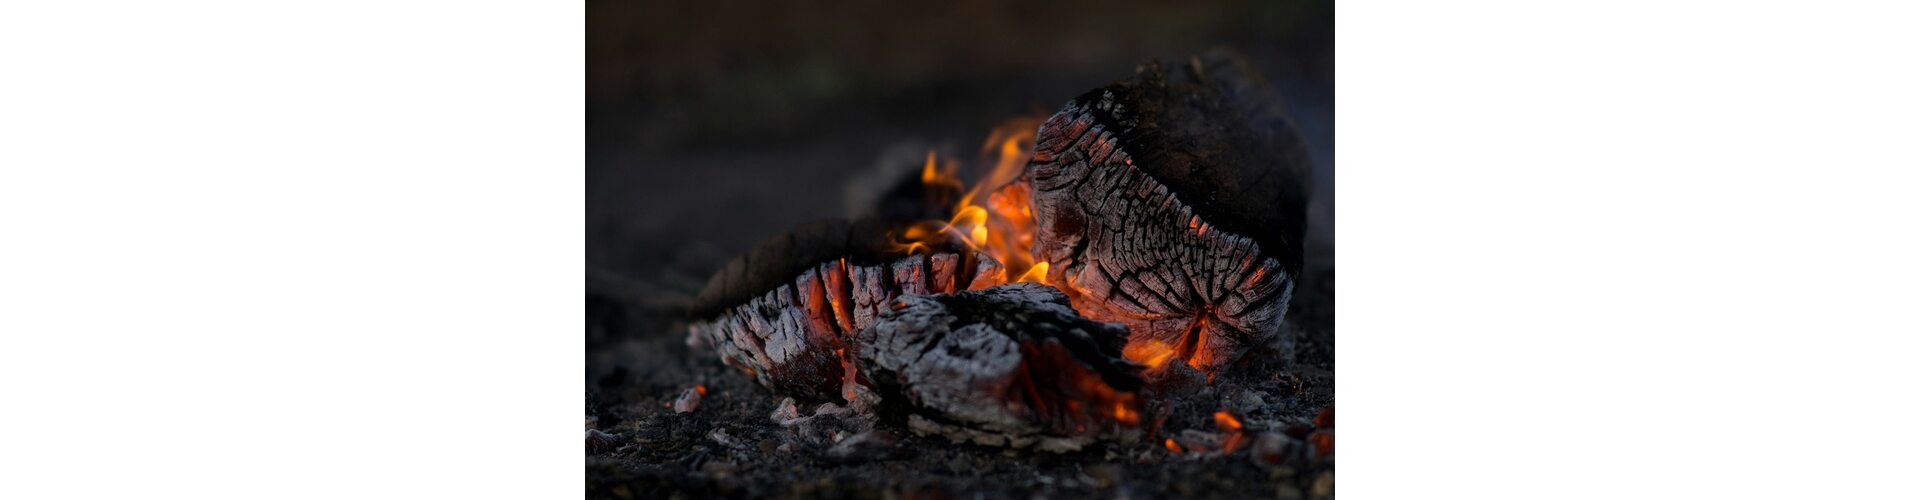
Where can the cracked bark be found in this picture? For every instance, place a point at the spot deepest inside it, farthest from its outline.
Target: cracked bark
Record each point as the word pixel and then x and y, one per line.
pixel 1174 203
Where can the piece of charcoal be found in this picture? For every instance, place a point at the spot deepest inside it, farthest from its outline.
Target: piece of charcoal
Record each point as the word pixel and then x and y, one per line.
pixel 1174 202
pixel 689 399
pixel 1012 365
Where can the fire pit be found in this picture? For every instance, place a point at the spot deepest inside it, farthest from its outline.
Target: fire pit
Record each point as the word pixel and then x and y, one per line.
pixel 1123 303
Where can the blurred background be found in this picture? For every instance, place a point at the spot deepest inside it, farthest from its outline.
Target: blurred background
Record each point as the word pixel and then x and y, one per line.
pixel 714 124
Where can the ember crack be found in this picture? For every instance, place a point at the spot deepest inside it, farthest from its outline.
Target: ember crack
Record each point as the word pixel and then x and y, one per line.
pixel 1011 365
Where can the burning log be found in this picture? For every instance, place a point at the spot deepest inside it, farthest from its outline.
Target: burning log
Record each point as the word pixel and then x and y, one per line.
pixel 787 312
pixel 1011 365
pixel 1174 203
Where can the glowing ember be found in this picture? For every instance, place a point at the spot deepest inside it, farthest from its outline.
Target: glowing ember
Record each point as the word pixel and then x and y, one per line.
pixel 1175 447
pixel 1069 394
pixel 850 375
pixel 1226 421
pixel 1236 433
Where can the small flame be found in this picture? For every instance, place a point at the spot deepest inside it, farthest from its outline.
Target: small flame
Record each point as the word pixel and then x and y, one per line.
pixel 928 175
pixel 1037 274
pixel 1152 353
pixel 993 217
pixel 1174 447
pixel 701 388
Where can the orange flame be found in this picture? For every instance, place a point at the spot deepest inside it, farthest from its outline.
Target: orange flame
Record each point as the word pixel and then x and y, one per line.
pixel 1038 273
pixel 1001 226
pixel 927 173
pixel 1175 447
pixel 1152 353
pixel 701 388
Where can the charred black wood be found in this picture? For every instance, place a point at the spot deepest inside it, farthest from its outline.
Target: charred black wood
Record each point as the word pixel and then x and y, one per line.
pixel 1011 365
pixel 786 313
pixel 1174 202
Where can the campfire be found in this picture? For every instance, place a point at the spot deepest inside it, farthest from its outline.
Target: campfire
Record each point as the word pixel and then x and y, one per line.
pixel 1102 267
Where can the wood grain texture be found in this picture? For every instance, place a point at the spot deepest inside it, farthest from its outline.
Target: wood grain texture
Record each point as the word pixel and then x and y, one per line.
pixel 1174 203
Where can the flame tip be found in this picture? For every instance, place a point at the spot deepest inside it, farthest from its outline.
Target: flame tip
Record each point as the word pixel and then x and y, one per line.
pixel 993 215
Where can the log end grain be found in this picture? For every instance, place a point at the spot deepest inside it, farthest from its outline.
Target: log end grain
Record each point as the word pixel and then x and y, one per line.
pixel 1174 202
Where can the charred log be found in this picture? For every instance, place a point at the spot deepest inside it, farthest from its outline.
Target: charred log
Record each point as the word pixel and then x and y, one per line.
pixel 786 313
pixel 1011 365
pixel 1174 203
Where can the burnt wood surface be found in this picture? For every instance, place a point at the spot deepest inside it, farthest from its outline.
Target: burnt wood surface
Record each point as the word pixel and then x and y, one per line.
pixel 1010 365
pixel 1175 202
pixel 787 313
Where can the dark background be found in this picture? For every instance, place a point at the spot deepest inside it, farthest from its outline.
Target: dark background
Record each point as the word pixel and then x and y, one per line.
pixel 713 124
